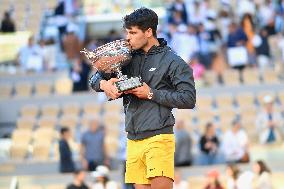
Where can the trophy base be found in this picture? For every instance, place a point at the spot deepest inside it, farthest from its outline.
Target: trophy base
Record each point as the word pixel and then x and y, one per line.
pixel 128 84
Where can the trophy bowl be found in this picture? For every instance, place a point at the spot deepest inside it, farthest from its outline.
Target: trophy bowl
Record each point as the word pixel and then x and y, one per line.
pixel 110 58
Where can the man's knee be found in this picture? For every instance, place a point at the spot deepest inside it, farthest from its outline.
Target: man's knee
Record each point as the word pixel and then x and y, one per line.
pixel 161 183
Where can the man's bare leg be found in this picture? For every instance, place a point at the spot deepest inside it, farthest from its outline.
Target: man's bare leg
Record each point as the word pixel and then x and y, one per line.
pixel 142 186
pixel 161 183
pixel 157 183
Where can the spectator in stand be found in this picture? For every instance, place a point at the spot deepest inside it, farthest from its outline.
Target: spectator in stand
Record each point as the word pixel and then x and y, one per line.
pixel 245 7
pixel 112 36
pixel 177 13
pixel 280 6
pixel 71 7
pixel 66 162
pixel 269 122
pixel 236 36
pixel 78 182
pixel 235 144
pixel 181 40
pixel 237 52
pixel 176 18
pixel 232 177
pixel 263 176
pixel 213 180
pixel 262 50
pixel 224 20
pixel 102 180
pixel 7 24
pixel 266 16
pixel 92 45
pixel 80 75
pixel 59 9
pixel 93 151
pixel 279 22
pixel 50 52
pixel 30 57
pixel 198 70
pixel 280 45
pixel 179 183
pixel 245 180
pixel 161 33
pixel 249 28
pixel 204 44
pixel 183 156
pixel 72 45
pixel 209 146
pixel 196 12
pixel 173 25
pixel 209 9
pixel 215 37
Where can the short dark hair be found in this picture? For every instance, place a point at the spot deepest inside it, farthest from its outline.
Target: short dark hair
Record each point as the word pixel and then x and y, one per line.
pixel 64 130
pixel 209 125
pixel 77 171
pixel 143 18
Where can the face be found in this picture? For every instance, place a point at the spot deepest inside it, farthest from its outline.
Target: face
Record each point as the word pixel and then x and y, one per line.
pixel 31 41
pixel 67 135
pixel 256 168
pixel 100 179
pixel 191 30
pixel 269 107
pixel 137 38
pixel 94 126
pixel 236 127
pixel 232 28
pixel 229 171
pixel 81 176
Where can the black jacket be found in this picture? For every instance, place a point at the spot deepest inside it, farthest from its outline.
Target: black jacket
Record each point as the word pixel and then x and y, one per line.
pixel 171 81
pixel 66 162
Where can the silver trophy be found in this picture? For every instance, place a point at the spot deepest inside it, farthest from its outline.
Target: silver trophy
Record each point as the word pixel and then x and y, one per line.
pixel 110 58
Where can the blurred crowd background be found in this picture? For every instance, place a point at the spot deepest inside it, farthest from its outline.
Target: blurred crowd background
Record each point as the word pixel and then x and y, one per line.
pixel 56 133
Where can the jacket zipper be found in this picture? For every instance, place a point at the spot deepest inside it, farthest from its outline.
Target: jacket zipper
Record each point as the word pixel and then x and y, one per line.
pixel 143 66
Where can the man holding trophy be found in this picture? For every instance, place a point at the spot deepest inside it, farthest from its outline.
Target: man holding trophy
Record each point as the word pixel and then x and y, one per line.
pixel 159 81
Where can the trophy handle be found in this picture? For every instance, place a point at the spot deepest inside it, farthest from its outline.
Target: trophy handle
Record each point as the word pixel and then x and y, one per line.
pixel 90 57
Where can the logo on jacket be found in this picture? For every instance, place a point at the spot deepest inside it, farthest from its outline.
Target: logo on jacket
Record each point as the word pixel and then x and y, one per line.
pixel 152 69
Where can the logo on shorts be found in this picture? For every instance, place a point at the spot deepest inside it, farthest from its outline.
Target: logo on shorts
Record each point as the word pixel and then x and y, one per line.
pixel 152 69
pixel 151 169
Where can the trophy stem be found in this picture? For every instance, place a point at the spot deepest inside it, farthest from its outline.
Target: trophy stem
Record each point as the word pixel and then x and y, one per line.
pixel 119 74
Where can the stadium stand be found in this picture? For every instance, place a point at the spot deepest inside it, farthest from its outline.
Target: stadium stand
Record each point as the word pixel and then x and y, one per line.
pixel 29 110
pixel 27 123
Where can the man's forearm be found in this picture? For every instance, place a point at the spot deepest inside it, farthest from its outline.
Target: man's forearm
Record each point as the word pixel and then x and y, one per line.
pixel 95 82
pixel 98 80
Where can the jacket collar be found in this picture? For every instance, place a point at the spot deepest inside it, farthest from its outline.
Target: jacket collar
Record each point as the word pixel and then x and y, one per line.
pixel 154 49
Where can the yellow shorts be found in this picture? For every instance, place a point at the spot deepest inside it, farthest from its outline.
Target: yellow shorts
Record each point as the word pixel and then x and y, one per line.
pixel 150 157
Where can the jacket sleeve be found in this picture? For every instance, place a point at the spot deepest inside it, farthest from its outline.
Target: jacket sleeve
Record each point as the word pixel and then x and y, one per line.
pixel 95 79
pixel 184 94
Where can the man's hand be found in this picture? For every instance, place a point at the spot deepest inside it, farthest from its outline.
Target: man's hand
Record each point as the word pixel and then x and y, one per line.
pixel 109 88
pixel 141 92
